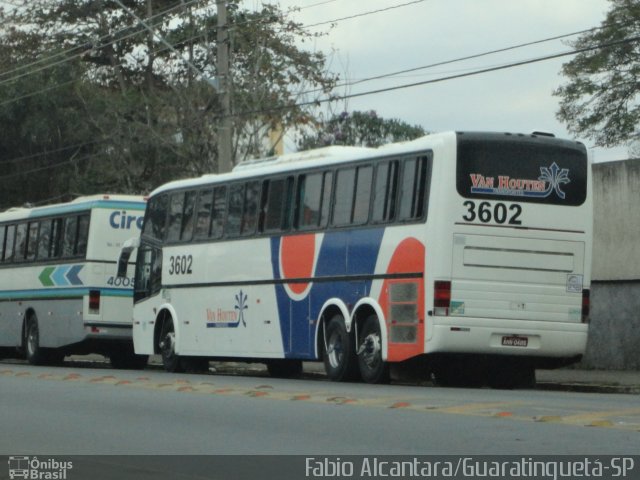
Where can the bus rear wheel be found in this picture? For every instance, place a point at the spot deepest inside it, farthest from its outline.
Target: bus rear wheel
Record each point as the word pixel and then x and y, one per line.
pixel 37 355
pixel 340 361
pixel 33 351
pixel 167 345
pixel 372 368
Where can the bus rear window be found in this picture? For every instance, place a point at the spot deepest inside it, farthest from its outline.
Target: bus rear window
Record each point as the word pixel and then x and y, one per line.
pixel 521 171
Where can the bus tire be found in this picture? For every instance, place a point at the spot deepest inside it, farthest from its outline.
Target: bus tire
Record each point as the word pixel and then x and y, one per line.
pixel 340 362
pixel 170 360
pixel 372 368
pixel 283 368
pixel 34 352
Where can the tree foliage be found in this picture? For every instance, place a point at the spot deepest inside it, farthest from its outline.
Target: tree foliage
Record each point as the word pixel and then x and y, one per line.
pixel 364 129
pixel 94 102
pixel 600 100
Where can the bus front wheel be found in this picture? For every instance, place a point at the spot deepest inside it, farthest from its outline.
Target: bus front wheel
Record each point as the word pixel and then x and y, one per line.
pixel 340 361
pixel 372 368
pixel 170 360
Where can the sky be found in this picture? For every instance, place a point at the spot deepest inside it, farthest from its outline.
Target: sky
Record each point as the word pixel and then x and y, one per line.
pixel 430 31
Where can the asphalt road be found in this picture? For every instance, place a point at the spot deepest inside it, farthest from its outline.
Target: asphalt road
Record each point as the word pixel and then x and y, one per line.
pixel 86 411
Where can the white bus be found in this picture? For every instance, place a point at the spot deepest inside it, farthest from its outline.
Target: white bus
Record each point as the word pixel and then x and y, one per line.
pixel 59 293
pixel 466 253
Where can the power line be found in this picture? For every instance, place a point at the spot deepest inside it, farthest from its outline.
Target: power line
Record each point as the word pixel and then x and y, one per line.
pixel 364 14
pixel 445 78
pixel 49 152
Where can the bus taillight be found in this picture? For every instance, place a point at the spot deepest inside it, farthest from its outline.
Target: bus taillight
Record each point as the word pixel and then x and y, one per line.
pixel 94 301
pixel 586 303
pixel 441 297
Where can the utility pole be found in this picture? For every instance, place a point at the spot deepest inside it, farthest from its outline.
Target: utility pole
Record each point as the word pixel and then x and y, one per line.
pixel 225 162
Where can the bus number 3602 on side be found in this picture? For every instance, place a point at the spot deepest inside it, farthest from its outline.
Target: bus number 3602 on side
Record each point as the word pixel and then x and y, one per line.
pixel 499 213
pixel 180 265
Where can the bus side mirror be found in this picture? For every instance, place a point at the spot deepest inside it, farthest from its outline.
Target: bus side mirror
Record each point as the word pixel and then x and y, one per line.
pixel 123 261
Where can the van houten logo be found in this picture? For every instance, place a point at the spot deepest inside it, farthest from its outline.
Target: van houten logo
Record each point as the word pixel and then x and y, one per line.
pixel 550 180
pixel 219 317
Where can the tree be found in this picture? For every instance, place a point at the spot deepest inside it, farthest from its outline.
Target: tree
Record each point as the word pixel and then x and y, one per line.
pixel 364 129
pixel 600 100
pixel 146 112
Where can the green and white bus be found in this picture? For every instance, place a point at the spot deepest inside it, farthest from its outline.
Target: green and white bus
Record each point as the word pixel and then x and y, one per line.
pixel 59 293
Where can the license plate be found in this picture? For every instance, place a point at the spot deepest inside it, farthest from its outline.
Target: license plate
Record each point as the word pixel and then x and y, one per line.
pixel 515 341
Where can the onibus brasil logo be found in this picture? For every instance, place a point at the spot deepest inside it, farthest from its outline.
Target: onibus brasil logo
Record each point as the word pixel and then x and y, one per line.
pixel 550 180
pixel 38 469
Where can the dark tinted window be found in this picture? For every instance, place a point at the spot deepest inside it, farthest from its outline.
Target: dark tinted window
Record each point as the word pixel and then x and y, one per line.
pixel 250 211
pixel 277 204
pixel 21 242
pixel 70 236
pixel 528 170
pixel 174 222
pixel 32 240
pixel 219 211
pixel 188 216
pixel 313 199
pixel 362 195
pixel 385 192
pixel 203 214
pixel 343 196
pixel 3 230
pixel 352 196
pixel 44 239
pixel 8 244
pixel 154 224
pixel 83 234
pixel 56 238
pixel 413 188
pixel 234 219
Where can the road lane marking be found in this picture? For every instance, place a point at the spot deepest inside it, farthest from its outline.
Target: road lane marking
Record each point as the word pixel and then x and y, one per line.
pixel 622 419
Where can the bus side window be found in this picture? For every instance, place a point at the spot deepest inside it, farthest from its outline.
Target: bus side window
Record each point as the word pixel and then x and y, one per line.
pixel 385 192
pixel 176 209
pixel 277 206
pixel 218 212
pixel 186 230
pixel 70 236
pixel 44 239
pixel 32 240
pixel 55 249
pixel 413 189
pixel 250 211
pixel 8 244
pixel 234 217
pixel 83 235
pixel 362 200
pixel 313 200
pixel 203 214
pixel 155 221
pixel 343 197
pixel 21 242
pixel 3 230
